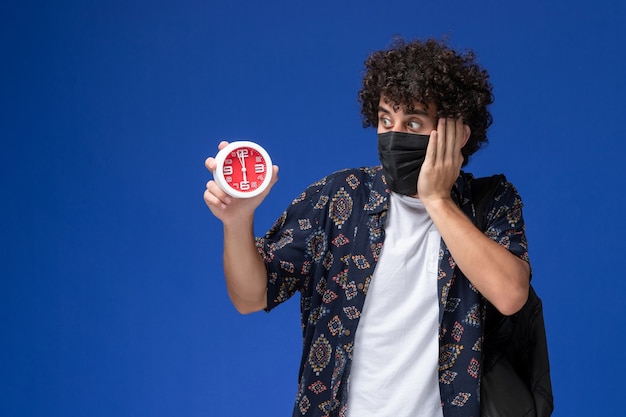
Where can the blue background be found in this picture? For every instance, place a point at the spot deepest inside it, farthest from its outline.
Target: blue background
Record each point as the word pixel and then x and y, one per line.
pixel 112 300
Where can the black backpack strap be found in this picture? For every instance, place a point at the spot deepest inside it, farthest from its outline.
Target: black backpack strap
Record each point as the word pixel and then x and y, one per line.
pixel 521 337
pixel 482 190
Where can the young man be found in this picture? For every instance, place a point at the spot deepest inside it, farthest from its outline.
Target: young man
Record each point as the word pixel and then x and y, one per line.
pixel 392 272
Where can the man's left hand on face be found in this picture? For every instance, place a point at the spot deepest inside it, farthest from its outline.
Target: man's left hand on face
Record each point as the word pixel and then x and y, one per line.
pixel 443 161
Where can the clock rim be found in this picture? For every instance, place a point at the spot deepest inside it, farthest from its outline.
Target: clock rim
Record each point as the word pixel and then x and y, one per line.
pixel 221 157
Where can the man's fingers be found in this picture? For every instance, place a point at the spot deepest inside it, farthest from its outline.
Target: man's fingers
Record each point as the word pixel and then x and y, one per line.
pixel 442 135
pixel 274 174
pixel 215 196
pixel 209 163
pixel 431 149
pixel 460 136
pixel 450 137
pixel 455 134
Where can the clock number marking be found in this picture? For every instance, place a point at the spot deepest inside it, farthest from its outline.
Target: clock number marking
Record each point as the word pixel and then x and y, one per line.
pixel 259 168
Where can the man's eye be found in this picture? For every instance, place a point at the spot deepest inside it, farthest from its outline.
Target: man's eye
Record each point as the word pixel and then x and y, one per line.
pixel 385 121
pixel 414 125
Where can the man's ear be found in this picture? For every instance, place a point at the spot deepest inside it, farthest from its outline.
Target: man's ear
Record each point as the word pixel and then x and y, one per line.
pixel 466 134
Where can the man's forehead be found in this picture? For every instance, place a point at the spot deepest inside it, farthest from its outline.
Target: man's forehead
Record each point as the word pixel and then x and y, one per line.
pixel 416 107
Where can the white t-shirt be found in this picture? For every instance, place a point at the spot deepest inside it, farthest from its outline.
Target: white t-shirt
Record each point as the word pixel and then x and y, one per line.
pixel 396 352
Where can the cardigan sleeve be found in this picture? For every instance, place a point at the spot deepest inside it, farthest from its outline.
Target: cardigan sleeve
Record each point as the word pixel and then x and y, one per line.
pixel 292 244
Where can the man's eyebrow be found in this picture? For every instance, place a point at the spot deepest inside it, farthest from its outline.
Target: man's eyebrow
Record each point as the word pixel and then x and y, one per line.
pixel 413 111
pixel 418 111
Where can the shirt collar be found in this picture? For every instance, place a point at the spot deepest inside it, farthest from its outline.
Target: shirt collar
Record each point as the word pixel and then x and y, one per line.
pixel 379 194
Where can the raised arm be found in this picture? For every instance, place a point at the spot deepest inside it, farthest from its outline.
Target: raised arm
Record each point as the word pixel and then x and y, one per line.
pixel 498 274
pixel 246 278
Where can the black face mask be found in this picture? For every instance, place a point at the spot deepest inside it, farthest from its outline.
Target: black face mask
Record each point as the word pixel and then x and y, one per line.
pixel 402 156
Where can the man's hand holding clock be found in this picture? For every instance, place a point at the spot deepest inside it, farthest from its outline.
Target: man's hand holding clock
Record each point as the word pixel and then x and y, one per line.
pixel 243 175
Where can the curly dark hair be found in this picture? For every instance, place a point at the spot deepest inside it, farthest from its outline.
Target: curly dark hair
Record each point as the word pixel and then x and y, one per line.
pixel 429 72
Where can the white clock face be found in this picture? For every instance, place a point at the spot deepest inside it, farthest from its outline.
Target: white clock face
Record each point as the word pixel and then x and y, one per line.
pixel 244 169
